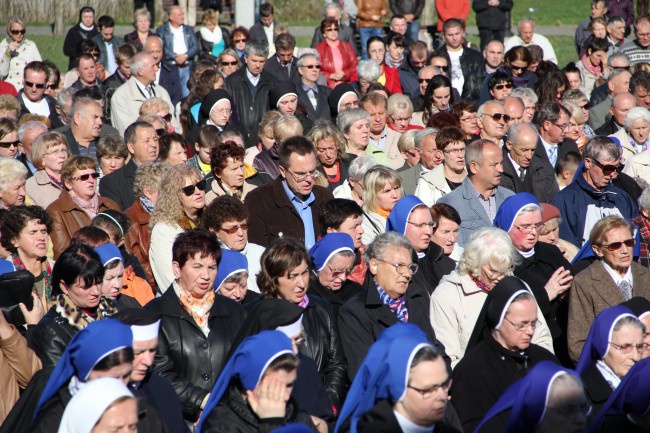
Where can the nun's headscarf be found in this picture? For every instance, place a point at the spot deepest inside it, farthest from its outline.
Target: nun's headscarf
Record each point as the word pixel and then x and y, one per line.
pixel 145 324
pixel 89 346
pixel 511 207
pixel 86 407
pixel 231 263
pixel 600 334
pixel 383 375
pixel 631 396
pixel 336 96
pixel 496 306
pixel 528 398
pixel 398 218
pixel 212 99
pixel 248 364
pixel 328 246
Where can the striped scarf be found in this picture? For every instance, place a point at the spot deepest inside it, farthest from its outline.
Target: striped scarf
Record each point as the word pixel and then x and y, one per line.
pixel 397 306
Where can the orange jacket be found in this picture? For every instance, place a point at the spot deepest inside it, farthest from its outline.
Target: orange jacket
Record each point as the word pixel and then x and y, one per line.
pixel 451 9
pixel 136 287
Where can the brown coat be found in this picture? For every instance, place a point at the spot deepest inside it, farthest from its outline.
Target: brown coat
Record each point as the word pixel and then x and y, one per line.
pixel 592 291
pixel 368 9
pixel 68 217
pixel 138 238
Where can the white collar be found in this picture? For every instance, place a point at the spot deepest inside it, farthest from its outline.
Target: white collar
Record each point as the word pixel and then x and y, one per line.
pixel 617 277
pixel 610 377
pixel 409 426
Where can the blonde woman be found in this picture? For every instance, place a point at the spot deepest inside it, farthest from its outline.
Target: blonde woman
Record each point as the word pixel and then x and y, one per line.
pixel 49 152
pixel 213 38
pixel 16 52
pixel 382 188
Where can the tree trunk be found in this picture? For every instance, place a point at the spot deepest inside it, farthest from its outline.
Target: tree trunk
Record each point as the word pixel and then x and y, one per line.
pixel 59 22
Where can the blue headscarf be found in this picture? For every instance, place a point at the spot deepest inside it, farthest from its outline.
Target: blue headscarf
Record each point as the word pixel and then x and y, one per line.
pixel 527 398
pixel 398 217
pixel 92 344
pixel 384 371
pixel 328 246
pixel 231 262
pixel 248 363
pixel 600 334
pixel 510 207
pixel 631 396
pixel 107 253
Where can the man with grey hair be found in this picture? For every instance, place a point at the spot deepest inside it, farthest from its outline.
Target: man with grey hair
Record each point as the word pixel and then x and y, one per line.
pixel 553 124
pixel 250 87
pixel 615 33
pixel 523 169
pixel 127 99
pixel 311 95
pixel 615 61
pixel 64 103
pixel 346 33
pixel 529 98
pixel 430 157
pixel 527 36
pixel 618 82
pixel 480 194
pixel 82 134
pixel 591 196
pixel 27 133
pixel 492 120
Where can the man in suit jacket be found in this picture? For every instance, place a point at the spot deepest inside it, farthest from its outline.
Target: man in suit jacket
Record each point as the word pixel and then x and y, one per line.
pixel 480 195
pixel 346 33
pixel 553 123
pixel 142 141
pixel 262 32
pixel 308 66
pixel 430 157
pixel 127 99
pixel 169 76
pixel 283 65
pixel 108 43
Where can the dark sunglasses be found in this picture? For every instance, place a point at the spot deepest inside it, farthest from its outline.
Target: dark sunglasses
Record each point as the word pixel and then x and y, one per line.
pixel 586 106
pixel 424 80
pixel 626 68
pixel 234 229
pixel 311 66
pixel 18 32
pixel 608 168
pixel 229 63
pixel 189 190
pixel 167 117
pixel 442 68
pixel 8 144
pixel 160 132
pixel 518 68
pixel 503 86
pixel 617 245
pixel 37 85
pixel 239 40
pixel 499 116
pixel 85 177
pixel 332 29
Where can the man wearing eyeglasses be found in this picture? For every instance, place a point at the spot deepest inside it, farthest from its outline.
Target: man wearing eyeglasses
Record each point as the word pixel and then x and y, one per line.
pixel 592 196
pixel 288 205
pixel 638 50
pixel 311 95
pixel 553 124
pixel 32 97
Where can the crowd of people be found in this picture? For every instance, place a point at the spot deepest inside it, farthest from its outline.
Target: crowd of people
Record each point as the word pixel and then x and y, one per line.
pixel 211 229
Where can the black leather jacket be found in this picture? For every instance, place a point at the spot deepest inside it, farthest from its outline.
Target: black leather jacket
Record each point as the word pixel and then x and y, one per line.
pixel 323 345
pixel 186 357
pixel 50 337
pixel 471 63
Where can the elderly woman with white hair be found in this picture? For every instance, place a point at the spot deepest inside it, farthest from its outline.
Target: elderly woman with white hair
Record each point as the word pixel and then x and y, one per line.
pixel 355 125
pixel 577 123
pixel 530 102
pixel 458 299
pixel 368 72
pixel 634 136
pixel 13 176
pixel 400 111
pixel 352 188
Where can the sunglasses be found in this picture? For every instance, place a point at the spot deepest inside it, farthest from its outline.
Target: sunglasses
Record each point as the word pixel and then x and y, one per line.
pixel 160 132
pixel 332 29
pixel 37 85
pixel 189 190
pixel 232 230
pixel 617 245
pixel 85 177
pixel 518 68
pixel 8 144
pixel 503 86
pixel 498 116
pixel 608 168
pixel 442 68
pixel 229 63
pixel 18 32
pixel 424 80
pixel 311 66
pixel 167 117
pixel 237 41
pixel 586 106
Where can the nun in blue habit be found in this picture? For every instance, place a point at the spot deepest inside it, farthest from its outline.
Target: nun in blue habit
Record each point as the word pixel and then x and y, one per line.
pixel 603 362
pixel 232 277
pixel 102 346
pixel 244 394
pixel 549 399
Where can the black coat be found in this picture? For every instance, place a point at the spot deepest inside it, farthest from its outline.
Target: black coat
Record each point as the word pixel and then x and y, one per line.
pixel 323 345
pixel 625 182
pixel 336 299
pixel 486 371
pixel 118 186
pixel 187 358
pixel 471 64
pixel 280 73
pixel 597 388
pixel 251 108
pixel 539 179
pixel 170 80
pixel 432 267
pixel 55 121
pixel 608 128
pixel 491 18
pixel 234 415
pixel 381 419
pixel 72 39
pixel 50 337
pixel 322 110
pixel 158 393
pixel 205 47
pixel 363 318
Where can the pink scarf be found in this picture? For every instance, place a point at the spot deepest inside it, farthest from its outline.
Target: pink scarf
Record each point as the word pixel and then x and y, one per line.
pixel 595 70
pixel 88 206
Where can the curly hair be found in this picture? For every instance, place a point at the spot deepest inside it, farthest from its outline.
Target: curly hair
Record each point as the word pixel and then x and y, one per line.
pixel 219 156
pixel 17 218
pixel 169 207
pixel 281 257
pixel 221 210
pixel 148 177
pixel 324 129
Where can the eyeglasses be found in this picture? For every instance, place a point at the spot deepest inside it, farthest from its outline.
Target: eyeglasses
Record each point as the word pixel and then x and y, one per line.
pixel 189 190
pixel 468 119
pixel 457 151
pixel 237 41
pixel 442 68
pixel 167 117
pixel 529 228
pixel 85 177
pixel 339 272
pixel 503 86
pixel 234 229
pixel 37 85
pixel 160 132
pixel 18 32
pixel 229 63
pixel 518 68
pixel 625 68
pixel 424 80
pixel 401 268
pixel 627 348
pixel 400 119
pixel 569 410
pixel 60 150
pixel 421 225
pixel 563 126
pixel 498 116
pixel 311 66
pixel 8 144
pixel 332 29
pixel 614 246
pixel 608 168
pixel 303 177
pixel 520 327
pixel 433 390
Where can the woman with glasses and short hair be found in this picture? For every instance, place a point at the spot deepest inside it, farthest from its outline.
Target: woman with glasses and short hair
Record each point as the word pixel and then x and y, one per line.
pixel 78 203
pixel 238 40
pixel 16 52
pixel 180 203
pixel 515 64
pixel 49 152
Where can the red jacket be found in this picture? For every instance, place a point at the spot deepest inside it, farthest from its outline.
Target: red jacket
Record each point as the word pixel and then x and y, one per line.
pixel 392 79
pixel 349 63
pixel 451 9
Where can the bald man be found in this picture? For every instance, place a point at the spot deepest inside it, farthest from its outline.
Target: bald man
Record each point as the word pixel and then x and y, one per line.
pixel 168 75
pixel 514 107
pixel 493 55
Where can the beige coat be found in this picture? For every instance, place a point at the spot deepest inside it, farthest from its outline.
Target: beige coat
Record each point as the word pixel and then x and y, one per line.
pixel 638 165
pixel 12 68
pixel 432 185
pixel 394 156
pixel 42 190
pixel 217 191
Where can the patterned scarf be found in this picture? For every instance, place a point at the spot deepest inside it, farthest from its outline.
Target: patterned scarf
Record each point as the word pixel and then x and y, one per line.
pixel 46 274
pixel 393 63
pixel 397 306
pixel 186 223
pixel 54 181
pixel 644 232
pixel 77 317
pixel 594 70
pixel 304 302
pixel 481 285
pixel 199 309
pixel 88 206
pixel 147 204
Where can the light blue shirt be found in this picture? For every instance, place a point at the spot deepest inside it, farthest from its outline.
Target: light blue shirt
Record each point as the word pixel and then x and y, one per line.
pixel 304 210
pixel 552 154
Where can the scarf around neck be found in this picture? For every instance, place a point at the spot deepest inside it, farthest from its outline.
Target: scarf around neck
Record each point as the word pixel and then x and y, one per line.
pixel 88 206
pixel 397 306
pixel 198 309
pixel 78 318
pixel 147 204
pixel 595 70
pixel 214 37
pixel 393 63
pixel 46 274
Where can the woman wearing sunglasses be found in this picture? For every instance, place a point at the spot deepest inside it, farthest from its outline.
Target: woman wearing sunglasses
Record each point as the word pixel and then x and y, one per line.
pixel 515 65
pixel 16 52
pixel 78 203
pixel 181 199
